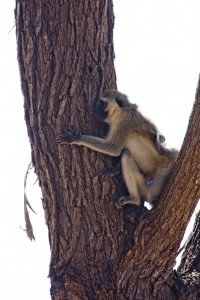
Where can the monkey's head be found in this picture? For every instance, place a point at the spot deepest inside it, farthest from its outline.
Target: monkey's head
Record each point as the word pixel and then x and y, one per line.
pixel 110 104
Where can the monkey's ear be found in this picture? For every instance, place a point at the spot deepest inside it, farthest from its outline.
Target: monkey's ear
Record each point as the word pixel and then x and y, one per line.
pixel 119 101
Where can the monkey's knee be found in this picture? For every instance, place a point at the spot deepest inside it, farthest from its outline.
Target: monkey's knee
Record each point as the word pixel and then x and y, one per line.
pixel 127 158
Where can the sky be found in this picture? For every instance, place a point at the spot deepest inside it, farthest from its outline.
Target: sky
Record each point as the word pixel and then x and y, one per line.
pixel 157 49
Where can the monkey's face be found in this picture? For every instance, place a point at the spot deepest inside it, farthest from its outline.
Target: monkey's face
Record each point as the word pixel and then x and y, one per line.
pixel 106 109
pixel 110 105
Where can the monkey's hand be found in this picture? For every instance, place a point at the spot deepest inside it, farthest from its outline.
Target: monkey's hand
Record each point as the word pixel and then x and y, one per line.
pixel 67 138
pixel 109 172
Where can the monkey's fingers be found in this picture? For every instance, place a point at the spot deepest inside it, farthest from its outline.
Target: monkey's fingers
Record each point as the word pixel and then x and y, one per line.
pixel 123 200
pixel 108 172
pixel 119 202
pixel 66 138
pixel 61 139
pixel 117 205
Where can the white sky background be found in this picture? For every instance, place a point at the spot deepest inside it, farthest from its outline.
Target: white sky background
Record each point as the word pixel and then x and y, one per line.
pixel 157 47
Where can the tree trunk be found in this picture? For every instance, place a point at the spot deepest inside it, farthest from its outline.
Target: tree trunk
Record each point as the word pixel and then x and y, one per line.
pixel 66 59
pixel 187 280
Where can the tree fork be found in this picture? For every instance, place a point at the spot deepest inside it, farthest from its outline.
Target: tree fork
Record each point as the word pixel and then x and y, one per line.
pixel 66 59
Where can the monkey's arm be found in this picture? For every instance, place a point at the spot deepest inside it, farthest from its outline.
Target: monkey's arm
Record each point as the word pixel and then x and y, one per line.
pixel 95 143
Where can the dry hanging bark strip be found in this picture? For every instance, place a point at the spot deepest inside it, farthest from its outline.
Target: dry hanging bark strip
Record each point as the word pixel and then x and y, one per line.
pixel 29 227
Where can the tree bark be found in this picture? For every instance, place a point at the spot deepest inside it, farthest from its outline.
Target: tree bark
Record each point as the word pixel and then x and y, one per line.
pixel 66 59
pixel 187 279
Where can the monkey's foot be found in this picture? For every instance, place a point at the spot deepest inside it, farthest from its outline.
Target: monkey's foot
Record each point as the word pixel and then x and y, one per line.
pixel 123 200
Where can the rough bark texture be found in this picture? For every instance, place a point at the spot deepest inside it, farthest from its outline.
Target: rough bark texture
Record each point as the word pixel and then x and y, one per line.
pixel 187 279
pixel 66 59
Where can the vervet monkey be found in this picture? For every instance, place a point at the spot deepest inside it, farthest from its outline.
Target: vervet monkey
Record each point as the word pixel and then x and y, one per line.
pixel 136 139
pixel 115 169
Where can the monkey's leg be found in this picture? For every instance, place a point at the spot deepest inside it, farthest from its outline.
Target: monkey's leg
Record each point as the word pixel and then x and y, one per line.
pixel 159 181
pixel 133 178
